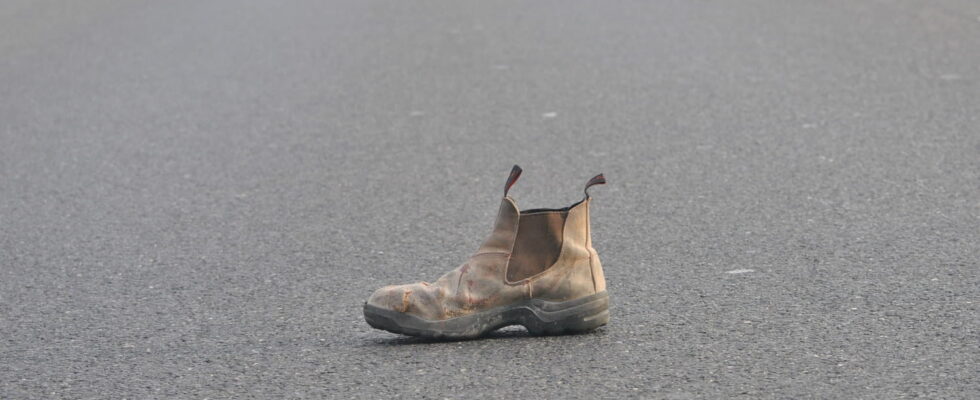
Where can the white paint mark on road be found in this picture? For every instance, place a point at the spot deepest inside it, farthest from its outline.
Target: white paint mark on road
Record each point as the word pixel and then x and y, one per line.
pixel 549 114
pixel 416 113
pixel 950 77
pixel 740 271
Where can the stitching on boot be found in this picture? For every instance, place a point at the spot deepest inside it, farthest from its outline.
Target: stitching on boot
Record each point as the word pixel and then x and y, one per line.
pixel 462 271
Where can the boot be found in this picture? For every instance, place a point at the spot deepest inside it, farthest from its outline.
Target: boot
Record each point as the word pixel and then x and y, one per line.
pixel 537 269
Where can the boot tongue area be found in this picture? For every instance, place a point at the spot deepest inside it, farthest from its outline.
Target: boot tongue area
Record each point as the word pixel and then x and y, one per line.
pixel 501 240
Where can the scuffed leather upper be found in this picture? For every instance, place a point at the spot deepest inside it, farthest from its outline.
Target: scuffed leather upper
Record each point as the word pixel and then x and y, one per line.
pixel 481 282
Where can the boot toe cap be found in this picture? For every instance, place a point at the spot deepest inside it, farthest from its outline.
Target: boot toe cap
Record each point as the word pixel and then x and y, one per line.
pixel 388 297
pixel 419 299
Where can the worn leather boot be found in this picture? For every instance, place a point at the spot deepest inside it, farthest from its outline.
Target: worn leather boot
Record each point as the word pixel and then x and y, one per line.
pixel 537 269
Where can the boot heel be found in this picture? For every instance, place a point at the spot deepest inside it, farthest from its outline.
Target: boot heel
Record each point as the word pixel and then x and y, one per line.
pixel 575 316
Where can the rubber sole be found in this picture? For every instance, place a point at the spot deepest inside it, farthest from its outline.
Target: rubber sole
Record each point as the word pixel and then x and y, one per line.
pixel 539 317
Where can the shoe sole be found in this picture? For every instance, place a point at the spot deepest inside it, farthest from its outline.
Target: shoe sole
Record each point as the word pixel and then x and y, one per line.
pixel 539 317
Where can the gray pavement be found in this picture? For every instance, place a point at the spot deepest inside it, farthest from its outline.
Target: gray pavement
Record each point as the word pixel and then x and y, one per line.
pixel 196 197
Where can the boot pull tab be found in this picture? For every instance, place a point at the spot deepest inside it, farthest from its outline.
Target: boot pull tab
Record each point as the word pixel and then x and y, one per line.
pixel 512 179
pixel 596 180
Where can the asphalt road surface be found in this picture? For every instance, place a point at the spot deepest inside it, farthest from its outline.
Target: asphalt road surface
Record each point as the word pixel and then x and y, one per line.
pixel 196 197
